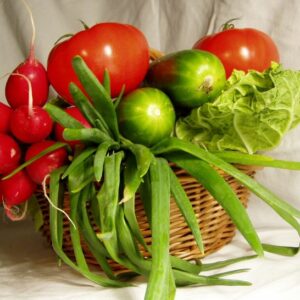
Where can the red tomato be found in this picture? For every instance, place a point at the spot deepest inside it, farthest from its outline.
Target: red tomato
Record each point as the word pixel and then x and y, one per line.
pixel 46 164
pixel 241 49
pixel 121 49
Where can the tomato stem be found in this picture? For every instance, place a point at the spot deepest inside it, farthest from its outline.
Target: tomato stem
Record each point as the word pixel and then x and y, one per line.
pixel 229 24
pixel 85 26
pixel 67 35
pixel 207 84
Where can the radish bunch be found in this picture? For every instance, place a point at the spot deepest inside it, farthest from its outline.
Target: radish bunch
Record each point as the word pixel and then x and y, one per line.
pixel 25 129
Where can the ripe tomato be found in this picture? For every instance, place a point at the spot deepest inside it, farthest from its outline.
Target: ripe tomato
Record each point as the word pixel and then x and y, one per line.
pixel 189 77
pixel 146 116
pixel 241 49
pixel 121 49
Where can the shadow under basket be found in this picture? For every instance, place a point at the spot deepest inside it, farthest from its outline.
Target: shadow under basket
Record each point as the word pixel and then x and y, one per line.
pixel 216 226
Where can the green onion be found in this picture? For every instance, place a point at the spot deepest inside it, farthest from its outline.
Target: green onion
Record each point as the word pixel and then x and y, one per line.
pixel 98 94
pixel 222 192
pixel 158 284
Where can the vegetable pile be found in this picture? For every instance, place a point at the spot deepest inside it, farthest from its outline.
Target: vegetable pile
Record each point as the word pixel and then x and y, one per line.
pixel 118 124
pixel 253 113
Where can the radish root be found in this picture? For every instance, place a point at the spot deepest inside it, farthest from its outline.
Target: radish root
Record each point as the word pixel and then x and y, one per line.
pixel 13 211
pixel 31 53
pixel 51 203
pixel 30 94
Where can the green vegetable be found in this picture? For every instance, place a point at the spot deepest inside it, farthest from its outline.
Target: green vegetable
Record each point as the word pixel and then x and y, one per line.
pixel 222 192
pixel 252 114
pixel 56 224
pixel 87 109
pixel 34 210
pixel 100 156
pixel 111 168
pixel 132 180
pixel 143 156
pixel 95 245
pixel 185 206
pixel 85 134
pixel 256 160
pixel 189 77
pixel 82 174
pixel 74 232
pixel 146 116
pixel 78 160
pixel 101 99
pixel 60 116
pixel 174 145
pixel 158 285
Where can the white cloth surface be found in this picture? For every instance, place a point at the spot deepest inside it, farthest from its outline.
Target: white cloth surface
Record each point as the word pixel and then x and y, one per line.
pixel 29 270
pixel 27 267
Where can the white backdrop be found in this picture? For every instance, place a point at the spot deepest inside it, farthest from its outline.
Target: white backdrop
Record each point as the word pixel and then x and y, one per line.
pixel 27 267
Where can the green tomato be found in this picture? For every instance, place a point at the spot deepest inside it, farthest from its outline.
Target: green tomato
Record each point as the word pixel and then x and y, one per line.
pixel 189 77
pixel 146 116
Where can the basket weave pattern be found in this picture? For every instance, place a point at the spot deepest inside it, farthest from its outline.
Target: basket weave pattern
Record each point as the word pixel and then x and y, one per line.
pixel 216 226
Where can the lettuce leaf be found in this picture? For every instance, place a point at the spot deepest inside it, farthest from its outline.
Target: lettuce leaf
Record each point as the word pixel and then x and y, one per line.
pixel 252 114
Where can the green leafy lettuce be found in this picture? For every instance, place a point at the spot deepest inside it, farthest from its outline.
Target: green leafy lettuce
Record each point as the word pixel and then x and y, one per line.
pixel 252 114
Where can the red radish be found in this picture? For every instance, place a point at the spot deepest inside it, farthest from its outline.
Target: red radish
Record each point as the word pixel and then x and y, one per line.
pixel 14 212
pixel 10 154
pixel 42 167
pixel 28 123
pixel 17 189
pixel 5 114
pixel 74 112
pixel 30 127
pixel 16 89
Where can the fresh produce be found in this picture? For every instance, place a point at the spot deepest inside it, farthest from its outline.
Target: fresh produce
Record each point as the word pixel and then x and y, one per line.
pixel 17 189
pixel 252 114
pixel 103 47
pixel 26 90
pixel 128 147
pixel 10 154
pixel 240 48
pixel 30 126
pixel 43 166
pixel 5 113
pixel 109 151
pixel 189 77
pixel 17 89
pixel 125 168
pixel 75 113
pixel 146 116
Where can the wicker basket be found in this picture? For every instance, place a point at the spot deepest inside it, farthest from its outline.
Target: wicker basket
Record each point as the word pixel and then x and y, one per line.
pixel 216 226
